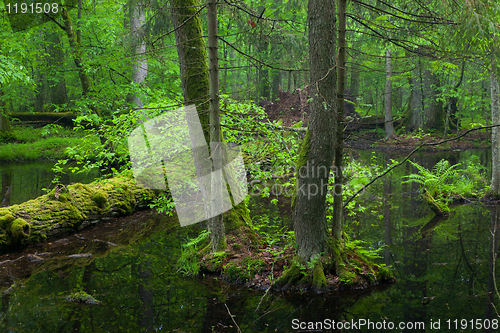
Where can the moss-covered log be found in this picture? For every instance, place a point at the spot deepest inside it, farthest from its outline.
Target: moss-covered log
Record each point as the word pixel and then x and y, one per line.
pixel 61 118
pixel 69 208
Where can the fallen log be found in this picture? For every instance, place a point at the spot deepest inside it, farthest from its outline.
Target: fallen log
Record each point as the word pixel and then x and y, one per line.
pixel 43 118
pixel 68 209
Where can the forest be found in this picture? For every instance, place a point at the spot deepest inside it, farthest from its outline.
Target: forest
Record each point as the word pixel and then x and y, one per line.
pixel 249 165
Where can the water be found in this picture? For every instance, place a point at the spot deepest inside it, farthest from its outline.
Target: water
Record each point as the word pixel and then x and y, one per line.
pixel 444 270
pixel 21 182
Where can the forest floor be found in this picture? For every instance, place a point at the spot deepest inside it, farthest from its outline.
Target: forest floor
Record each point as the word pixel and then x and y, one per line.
pixel 259 264
pixel 407 142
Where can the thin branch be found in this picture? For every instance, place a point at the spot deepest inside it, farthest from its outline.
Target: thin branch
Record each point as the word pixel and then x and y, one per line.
pixel 260 61
pixel 180 26
pixel 232 317
pixel 437 20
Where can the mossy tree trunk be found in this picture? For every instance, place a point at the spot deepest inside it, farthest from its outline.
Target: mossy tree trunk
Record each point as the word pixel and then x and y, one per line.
pixel 317 150
pixel 68 209
pixel 75 45
pixel 193 58
pixel 193 63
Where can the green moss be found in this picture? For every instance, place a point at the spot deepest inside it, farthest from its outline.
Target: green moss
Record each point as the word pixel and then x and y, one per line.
pixel 347 277
pixel 236 217
pixel 233 272
pixel 289 276
pixel 20 230
pixel 100 198
pixel 301 161
pixel 319 279
pixel 213 262
pixel 437 206
pixel 82 297
pixel 66 209
pixel 6 220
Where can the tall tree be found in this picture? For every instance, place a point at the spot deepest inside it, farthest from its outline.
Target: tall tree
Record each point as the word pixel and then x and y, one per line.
pixel 389 128
pixel 215 224
pixel 140 66
pixel 339 136
pixel 196 89
pixel 317 150
pixel 192 54
pixel 495 132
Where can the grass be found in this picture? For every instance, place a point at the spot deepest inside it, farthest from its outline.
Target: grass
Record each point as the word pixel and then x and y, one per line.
pixel 30 144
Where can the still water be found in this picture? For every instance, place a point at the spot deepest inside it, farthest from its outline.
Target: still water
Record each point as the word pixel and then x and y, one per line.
pixel 445 272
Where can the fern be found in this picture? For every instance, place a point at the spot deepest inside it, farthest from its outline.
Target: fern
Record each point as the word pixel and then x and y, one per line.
pixel 445 180
pixel 438 182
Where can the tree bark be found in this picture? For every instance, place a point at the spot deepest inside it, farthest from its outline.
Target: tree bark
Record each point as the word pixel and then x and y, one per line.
pixel 192 54
pixel 417 102
pixel 389 128
pixel 56 82
pixel 4 118
pixel 495 132
pixel 339 137
pixel 317 150
pixel 140 66
pixel 215 225
pixel 77 53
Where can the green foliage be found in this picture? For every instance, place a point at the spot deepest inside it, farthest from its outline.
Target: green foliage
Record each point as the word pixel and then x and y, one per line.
pixel 445 181
pixel 266 149
pixel 188 262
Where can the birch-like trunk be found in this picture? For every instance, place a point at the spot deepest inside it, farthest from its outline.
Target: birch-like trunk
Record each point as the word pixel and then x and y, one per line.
pixel 140 66
pixel 389 127
pixel 495 132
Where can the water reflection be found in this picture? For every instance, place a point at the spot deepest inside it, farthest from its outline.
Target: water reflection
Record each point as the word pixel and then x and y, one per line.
pixel 25 181
pixel 446 271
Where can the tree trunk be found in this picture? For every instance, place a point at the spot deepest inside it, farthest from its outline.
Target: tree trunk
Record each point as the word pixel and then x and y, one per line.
pixel 495 133
pixel 354 81
pixel 417 102
pixel 192 54
pixel 215 225
pixel 58 94
pixel 339 138
pixel 434 116
pixel 140 66
pixel 195 82
pixel 262 49
pixel 74 43
pixel 389 128
pixel 4 118
pixel 317 150
pixel 41 91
